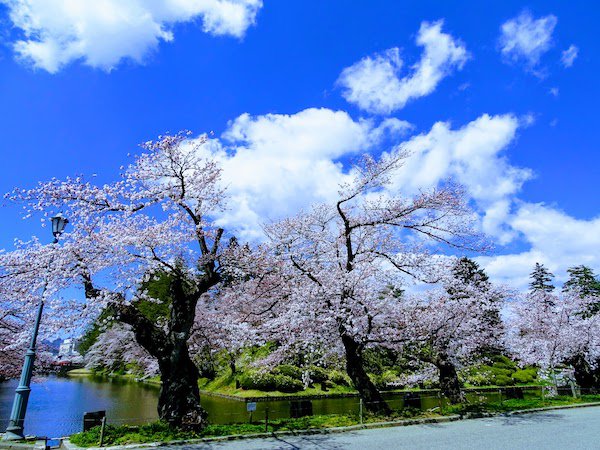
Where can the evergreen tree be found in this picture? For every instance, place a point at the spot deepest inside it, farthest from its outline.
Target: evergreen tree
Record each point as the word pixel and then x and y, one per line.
pixel 469 273
pixel 583 279
pixel 541 279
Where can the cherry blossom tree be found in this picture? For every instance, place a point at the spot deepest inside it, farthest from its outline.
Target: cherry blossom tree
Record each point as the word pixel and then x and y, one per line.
pixel 157 216
pixel 24 275
pixel 340 256
pixel 452 325
pixel 12 342
pixel 242 311
pixel 116 348
pixel 550 330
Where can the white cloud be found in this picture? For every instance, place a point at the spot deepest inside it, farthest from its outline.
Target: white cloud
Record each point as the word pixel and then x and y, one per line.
pixel 556 239
pixel 569 55
pixel 554 91
pixel 375 85
pixel 472 155
pixel 277 164
pixel 525 39
pixel 102 33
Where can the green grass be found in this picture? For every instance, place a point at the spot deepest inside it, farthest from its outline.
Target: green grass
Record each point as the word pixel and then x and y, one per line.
pixel 225 384
pixel 160 432
pixel 521 404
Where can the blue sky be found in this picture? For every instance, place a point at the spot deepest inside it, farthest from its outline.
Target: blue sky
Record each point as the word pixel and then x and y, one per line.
pixel 510 84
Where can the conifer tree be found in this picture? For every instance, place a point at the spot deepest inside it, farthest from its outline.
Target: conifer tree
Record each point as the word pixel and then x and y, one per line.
pixel 541 279
pixel 583 279
pixel 468 273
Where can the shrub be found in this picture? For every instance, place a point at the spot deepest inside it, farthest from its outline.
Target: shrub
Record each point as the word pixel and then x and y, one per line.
pixel 288 384
pixel 382 381
pixel 266 381
pixel 523 376
pixel 503 362
pixel 317 374
pixel 289 370
pixel 339 378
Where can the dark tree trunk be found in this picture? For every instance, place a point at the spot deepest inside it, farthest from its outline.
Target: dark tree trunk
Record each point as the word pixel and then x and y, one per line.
pixel 587 378
pixel 370 395
pixel 179 399
pixel 449 382
pixel 232 366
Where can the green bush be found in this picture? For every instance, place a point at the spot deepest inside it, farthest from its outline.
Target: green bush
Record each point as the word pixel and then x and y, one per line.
pixel 289 370
pixel 339 378
pixel 503 362
pixel 266 381
pixel 317 374
pixel 500 371
pixel 524 376
pixel 284 383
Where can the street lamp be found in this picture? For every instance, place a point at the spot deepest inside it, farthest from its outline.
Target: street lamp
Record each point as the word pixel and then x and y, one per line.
pixel 59 222
pixel 14 431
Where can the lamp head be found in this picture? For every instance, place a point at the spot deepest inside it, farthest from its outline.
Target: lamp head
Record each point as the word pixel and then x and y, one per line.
pixel 59 222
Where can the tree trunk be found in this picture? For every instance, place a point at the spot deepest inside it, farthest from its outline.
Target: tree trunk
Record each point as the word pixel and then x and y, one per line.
pixel 372 398
pixel 179 399
pixel 449 383
pixel 587 378
pixel 232 366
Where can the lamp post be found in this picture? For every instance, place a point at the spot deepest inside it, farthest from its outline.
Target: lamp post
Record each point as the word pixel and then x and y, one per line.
pixel 14 431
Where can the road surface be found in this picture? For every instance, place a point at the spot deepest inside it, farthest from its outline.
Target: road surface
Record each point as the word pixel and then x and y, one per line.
pixel 562 429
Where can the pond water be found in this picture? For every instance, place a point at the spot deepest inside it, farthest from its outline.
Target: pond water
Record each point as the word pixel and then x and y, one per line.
pixel 56 405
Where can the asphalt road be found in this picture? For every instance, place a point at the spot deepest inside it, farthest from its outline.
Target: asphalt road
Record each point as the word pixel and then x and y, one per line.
pixel 562 429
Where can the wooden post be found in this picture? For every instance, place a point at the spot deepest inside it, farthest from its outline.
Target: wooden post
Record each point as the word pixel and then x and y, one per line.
pixel 102 431
pixel 266 419
pixel 360 411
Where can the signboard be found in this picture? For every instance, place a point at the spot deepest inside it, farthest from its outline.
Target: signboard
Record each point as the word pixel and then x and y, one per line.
pixel 251 406
pixel 92 419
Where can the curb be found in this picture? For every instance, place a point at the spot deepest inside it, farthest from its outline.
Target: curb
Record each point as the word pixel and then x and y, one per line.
pixel 399 423
pixel 30 444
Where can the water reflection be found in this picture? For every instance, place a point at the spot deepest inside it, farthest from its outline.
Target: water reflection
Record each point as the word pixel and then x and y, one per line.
pixel 57 405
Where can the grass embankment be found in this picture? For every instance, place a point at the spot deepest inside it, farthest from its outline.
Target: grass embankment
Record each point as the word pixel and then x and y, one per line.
pixel 160 432
pixel 113 376
pixel 226 385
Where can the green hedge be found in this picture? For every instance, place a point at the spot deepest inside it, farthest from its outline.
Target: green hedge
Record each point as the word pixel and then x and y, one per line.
pixel 265 381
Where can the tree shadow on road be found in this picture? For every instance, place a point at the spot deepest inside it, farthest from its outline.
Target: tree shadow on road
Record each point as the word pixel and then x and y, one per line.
pixel 291 442
pixel 520 419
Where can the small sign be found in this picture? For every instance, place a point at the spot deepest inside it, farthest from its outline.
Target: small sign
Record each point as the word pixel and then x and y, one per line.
pixel 251 406
pixel 92 419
